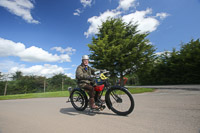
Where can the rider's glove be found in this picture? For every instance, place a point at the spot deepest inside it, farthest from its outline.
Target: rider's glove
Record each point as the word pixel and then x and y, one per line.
pixel 101 71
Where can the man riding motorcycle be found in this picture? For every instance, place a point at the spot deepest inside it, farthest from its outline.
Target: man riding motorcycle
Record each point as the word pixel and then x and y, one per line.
pixel 84 77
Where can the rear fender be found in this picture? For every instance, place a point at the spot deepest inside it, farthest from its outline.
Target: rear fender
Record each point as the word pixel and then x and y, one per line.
pixel 82 91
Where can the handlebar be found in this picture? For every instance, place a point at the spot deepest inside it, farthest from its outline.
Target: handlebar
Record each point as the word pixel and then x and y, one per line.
pixel 98 73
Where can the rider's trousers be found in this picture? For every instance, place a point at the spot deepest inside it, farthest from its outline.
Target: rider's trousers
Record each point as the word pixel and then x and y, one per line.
pixel 90 90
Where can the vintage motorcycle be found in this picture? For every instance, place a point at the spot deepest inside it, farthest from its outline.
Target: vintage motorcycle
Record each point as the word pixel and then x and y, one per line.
pixel 117 98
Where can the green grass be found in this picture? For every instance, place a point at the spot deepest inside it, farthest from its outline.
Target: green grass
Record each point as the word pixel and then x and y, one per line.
pixel 62 94
pixel 36 95
pixel 140 90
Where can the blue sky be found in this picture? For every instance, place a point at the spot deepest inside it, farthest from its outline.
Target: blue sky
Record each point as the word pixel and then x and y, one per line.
pixel 45 37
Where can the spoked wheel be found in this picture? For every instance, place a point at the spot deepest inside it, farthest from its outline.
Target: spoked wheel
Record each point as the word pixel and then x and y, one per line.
pixel 78 100
pixel 120 101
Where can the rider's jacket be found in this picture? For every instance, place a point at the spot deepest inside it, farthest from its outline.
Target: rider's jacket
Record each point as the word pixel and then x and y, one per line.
pixel 83 74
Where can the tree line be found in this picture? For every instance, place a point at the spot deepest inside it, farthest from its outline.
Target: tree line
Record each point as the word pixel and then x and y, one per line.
pixel 21 84
pixel 176 67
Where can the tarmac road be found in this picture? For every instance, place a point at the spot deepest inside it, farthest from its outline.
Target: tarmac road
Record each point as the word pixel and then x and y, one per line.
pixel 182 87
pixel 163 111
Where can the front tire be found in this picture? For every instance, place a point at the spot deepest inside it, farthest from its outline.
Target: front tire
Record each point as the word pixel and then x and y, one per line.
pixel 79 99
pixel 120 101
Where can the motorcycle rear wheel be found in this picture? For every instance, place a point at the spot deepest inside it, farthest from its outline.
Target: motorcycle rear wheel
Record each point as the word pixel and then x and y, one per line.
pixel 78 100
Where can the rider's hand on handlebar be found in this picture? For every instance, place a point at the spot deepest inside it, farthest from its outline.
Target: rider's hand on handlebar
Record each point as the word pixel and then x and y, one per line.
pixel 102 71
pixel 92 76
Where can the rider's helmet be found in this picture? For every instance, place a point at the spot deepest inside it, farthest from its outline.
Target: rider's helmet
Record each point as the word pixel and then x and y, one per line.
pixel 85 57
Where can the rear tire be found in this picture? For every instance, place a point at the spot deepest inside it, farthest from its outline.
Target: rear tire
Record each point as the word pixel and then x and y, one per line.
pixel 120 101
pixel 79 99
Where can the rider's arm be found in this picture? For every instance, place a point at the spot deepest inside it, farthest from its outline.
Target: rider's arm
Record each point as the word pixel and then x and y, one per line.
pixel 80 75
pixel 93 71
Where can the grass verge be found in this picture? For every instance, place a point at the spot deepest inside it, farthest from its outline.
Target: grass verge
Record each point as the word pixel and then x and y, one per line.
pixel 62 94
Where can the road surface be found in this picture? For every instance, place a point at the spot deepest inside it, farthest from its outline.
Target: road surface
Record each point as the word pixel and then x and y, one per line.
pixel 162 111
pixel 182 87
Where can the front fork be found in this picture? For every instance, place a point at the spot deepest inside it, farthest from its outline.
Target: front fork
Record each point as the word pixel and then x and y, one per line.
pixel 116 97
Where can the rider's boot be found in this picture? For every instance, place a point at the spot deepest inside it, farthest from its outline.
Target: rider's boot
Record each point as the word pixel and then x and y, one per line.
pixel 92 105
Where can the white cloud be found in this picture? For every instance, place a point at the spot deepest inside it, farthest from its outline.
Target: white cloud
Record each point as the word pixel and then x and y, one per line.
pixel 162 15
pixel 10 67
pixel 6 65
pixel 39 70
pixel 126 4
pixel 64 58
pixel 21 8
pixel 33 53
pixel 145 20
pixel 164 52
pixel 145 23
pixel 68 50
pixel 71 75
pixel 10 48
pixel 96 21
pixel 86 3
pixel 46 70
pixel 74 65
pixel 77 12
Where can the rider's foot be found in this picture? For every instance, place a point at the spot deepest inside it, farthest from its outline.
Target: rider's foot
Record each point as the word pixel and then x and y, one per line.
pixel 92 105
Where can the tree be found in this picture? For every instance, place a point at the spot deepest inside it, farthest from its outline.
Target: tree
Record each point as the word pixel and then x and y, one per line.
pixel 4 80
pixel 120 48
pixel 1 76
pixel 60 82
pixel 190 61
pixel 18 75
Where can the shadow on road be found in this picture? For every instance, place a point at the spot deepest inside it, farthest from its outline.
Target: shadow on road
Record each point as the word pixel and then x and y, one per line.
pixel 73 112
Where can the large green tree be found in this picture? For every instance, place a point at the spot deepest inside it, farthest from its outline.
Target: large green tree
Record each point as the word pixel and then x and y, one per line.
pixel 120 48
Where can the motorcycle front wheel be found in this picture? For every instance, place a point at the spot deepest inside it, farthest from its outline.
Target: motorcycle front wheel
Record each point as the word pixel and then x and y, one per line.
pixel 120 101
